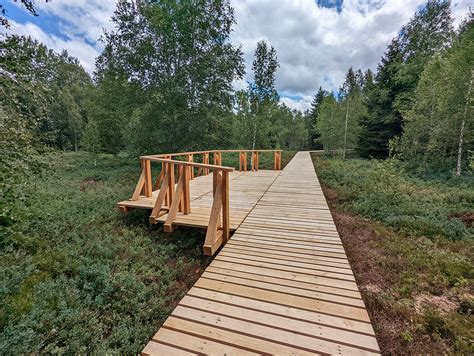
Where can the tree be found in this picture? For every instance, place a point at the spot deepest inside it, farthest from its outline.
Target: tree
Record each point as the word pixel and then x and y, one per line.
pixel 264 67
pixel 174 63
pixel 262 93
pixel 29 6
pixel 438 128
pixel 427 33
pixel 313 119
pixel 91 139
pixel 330 125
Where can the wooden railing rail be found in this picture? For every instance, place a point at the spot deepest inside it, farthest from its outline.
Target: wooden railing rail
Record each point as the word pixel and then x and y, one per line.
pixel 174 189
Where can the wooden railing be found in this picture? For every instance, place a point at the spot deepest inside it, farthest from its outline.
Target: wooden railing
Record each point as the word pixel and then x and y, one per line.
pixel 174 188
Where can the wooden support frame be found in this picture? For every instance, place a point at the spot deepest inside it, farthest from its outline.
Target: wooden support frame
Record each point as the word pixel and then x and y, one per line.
pixel 190 159
pixel 215 235
pixel 218 158
pixel 181 199
pixel 139 187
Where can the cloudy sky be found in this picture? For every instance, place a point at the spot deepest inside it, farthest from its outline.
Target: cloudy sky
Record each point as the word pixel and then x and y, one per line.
pixel 316 40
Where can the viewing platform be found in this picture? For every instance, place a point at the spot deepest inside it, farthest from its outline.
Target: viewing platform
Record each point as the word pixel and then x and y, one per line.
pixel 199 189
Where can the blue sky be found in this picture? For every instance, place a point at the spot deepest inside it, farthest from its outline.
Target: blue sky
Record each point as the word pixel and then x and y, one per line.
pixel 316 40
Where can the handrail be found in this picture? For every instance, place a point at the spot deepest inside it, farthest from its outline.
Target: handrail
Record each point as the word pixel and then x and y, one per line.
pixel 173 195
pixel 191 164
pixel 209 151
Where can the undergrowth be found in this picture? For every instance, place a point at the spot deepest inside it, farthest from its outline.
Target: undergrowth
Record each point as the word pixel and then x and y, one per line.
pixel 410 243
pixel 76 275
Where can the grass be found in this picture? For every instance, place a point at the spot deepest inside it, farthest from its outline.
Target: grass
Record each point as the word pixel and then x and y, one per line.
pixel 410 244
pixel 79 277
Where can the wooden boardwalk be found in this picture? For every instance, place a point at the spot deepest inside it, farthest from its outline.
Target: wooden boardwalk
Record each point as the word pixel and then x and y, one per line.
pixel 281 285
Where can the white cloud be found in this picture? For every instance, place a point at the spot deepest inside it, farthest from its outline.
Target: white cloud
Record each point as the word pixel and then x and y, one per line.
pixel 315 45
pixel 81 24
pixel 302 104
pixel 76 47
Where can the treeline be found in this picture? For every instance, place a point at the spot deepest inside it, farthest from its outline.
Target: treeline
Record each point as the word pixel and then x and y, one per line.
pixel 163 83
pixel 417 107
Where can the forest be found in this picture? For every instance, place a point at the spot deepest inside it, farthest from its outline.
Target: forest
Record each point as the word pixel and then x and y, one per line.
pixel 69 141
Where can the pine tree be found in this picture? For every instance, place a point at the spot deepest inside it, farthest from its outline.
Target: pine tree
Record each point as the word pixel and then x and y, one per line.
pixel 313 119
pixel 428 32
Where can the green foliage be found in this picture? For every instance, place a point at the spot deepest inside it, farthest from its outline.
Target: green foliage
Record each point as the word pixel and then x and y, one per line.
pixel 78 277
pixel 166 76
pixel 438 128
pixel 46 89
pixel 312 118
pixel 381 190
pixel 41 93
pixel 259 120
pixel 337 120
pixel 428 32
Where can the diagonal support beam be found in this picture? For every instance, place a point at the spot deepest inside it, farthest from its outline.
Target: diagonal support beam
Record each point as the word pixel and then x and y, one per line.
pixel 168 227
pixel 214 237
pixel 155 213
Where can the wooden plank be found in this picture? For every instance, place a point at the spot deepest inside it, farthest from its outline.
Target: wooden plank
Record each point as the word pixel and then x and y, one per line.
pixel 155 348
pixel 147 169
pixel 334 322
pixel 319 331
pixel 225 208
pixel 160 198
pixel 258 331
pixel 348 312
pixel 229 337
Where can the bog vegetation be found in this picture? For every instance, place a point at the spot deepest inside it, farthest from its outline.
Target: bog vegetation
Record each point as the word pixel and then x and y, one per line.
pixel 409 241
pixel 164 82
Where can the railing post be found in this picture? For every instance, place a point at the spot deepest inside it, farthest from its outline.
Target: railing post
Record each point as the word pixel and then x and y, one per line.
pixel 205 160
pixel 186 192
pixel 225 208
pixel 277 160
pixel 170 183
pixel 218 158
pixel 245 161
pixel 148 186
pixel 215 176
pixel 166 167
pixel 254 161
pixel 189 158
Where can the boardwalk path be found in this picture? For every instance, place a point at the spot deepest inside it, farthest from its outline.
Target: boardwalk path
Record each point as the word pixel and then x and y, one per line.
pixel 281 285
